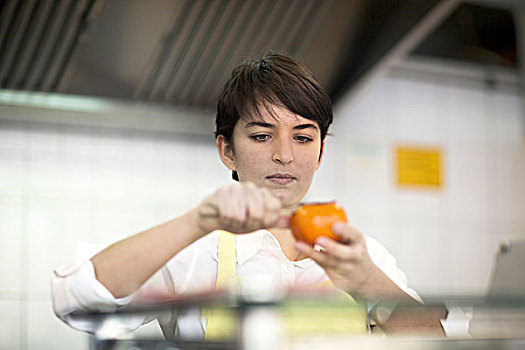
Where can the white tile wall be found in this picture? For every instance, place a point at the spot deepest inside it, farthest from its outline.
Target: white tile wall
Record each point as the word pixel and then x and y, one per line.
pixel 10 324
pixel 466 113
pixel 13 173
pixel 45 331
pixel 445 240
pixel 45 238
pixel 467 186
pixel 511 189
pixel 509 126
pixel 418 117
pixel 11 217
pixel 61 185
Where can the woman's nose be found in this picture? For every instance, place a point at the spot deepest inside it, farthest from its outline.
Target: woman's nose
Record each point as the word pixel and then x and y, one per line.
pixel 282 152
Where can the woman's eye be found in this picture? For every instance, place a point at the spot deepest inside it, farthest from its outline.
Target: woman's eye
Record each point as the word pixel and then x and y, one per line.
pixel 260 138
pixel 303 139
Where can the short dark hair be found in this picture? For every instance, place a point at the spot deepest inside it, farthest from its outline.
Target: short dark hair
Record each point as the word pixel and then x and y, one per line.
pixel 274 79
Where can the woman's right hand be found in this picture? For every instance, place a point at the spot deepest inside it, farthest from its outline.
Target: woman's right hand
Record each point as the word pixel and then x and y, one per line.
pixel 239 208
pixel 124 266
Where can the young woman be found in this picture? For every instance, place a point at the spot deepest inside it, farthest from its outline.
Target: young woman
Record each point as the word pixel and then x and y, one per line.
pixel 272 120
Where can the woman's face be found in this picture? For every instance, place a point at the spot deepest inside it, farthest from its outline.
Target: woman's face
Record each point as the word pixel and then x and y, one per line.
pixel 279 151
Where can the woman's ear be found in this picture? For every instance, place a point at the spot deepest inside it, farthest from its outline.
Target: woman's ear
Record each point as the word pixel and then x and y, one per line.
pixel 320 156
pixel 226 153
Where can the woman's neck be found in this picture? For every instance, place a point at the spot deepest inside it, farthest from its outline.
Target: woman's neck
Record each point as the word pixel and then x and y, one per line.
pixel 287 242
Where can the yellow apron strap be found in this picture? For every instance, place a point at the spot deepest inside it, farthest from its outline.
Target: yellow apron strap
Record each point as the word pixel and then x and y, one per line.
pixel 221 322
pixel 227 261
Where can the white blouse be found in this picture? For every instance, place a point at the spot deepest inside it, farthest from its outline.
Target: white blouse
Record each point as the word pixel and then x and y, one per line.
pixel 260 260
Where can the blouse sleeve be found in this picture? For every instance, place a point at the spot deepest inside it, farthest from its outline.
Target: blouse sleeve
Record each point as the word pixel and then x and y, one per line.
pixel 75 288
pixel 388 264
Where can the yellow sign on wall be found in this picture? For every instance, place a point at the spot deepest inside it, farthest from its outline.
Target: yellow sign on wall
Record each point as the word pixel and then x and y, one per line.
pixel 419 167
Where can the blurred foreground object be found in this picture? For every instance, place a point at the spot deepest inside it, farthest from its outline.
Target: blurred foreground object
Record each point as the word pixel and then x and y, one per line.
pixel 260 324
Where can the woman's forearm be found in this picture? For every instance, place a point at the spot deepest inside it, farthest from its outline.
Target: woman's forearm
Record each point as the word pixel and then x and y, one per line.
pixel 405 315
pixel 124 266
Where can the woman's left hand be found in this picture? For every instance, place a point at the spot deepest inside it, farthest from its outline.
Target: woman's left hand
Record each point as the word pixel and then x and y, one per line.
pixel 348 264
pixel 350 268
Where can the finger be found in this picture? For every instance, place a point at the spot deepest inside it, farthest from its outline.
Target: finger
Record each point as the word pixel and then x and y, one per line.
pixel 304 248
pixel 337 250
pixel 255 205
pixel 231 207
pixel 228 199
pixel 272 209
pixel 322 259
pixel 347 233
pixel 222 204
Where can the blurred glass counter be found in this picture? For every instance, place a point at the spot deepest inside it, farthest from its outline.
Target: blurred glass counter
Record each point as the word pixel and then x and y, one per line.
pixel 482 323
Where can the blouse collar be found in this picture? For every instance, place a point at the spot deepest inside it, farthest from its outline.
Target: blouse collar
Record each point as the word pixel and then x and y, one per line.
pixel 249 244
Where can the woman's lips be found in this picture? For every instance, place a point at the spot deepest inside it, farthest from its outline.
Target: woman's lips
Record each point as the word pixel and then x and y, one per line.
pixel 281 179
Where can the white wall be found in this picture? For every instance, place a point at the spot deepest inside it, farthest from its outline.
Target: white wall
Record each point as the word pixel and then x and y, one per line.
pixel 444 240
pixel 61 185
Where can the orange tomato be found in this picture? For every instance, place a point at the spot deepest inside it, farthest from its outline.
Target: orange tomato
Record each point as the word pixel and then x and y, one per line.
pixel 314 220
